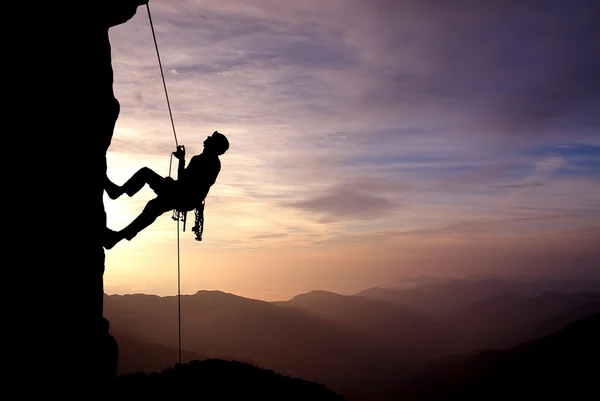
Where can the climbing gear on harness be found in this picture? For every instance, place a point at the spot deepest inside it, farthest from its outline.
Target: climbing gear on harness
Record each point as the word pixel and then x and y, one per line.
pixel 198 228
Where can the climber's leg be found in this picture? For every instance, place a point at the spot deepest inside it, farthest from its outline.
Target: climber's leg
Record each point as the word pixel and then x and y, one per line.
pixel 112 189
pixel 145 176
pixel 151 212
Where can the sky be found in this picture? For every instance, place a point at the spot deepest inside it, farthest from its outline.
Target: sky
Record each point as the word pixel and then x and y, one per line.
pixel 371 141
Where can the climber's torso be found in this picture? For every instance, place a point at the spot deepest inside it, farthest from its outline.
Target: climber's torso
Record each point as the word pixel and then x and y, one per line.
pixel 200 174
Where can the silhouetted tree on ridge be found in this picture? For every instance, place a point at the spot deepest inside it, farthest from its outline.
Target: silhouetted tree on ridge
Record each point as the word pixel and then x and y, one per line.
pixel 222 379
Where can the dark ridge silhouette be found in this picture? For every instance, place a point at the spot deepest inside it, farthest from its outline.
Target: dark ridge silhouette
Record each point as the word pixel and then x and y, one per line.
pixel 217 379
pixel 64 98
pixel 137 356
pixel 563 365
pixel 184 194
pixel 564 318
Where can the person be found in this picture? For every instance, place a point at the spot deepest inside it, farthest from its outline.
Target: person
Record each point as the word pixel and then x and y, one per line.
pixel 185 194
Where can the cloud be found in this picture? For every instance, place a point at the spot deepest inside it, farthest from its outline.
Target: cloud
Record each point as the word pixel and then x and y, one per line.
pixel 346 202
pixel 140 146
pixel 507 67
pixel 541 172
pixel 480 174
pixel 589 232
pixel 524 185
pixel 544 169
pixel 465 230
pixel 269 236
pixel 512 68
pixel 468 228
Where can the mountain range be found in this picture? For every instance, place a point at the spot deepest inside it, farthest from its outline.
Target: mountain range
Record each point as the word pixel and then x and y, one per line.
pixel 363 345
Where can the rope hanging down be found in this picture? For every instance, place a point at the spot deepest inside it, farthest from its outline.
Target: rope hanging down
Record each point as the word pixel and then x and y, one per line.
pixel 176 145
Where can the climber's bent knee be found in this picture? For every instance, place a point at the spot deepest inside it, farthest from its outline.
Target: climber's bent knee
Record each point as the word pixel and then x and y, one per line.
pixel 157 206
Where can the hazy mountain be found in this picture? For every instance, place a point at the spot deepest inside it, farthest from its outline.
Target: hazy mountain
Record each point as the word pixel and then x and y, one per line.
pixel 559 320
pixel 495 321
pixel 505 320
pixel 563 365
pixel 288 340
pixel 404 331
pixel 438 296
pixel 356 345
pixel 215 379
pixel 415 298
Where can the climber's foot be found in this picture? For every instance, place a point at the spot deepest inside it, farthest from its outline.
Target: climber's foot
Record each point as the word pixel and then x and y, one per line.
pixel 113 190
pixel 111 238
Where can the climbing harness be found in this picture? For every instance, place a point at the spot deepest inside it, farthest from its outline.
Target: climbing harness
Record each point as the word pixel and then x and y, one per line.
pixel 198 227
pixel 199 222
pixel 181 215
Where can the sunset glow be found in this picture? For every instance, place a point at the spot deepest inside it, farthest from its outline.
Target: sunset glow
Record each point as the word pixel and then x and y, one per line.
pixel 368 144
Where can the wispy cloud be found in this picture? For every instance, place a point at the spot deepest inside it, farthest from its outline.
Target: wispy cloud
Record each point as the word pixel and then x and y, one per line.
pixel 346 202
pixel 269 236
pixel 541 172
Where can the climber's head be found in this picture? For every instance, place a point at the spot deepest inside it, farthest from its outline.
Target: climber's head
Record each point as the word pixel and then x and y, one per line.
pixel 216 143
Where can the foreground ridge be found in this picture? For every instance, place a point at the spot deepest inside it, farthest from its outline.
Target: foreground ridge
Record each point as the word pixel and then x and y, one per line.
pixel 223 379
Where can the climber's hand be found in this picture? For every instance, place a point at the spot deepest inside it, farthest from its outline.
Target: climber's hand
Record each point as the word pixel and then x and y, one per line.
pixel 180 153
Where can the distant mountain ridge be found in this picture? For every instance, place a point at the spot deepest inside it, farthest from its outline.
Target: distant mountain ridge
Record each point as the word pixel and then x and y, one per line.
pixel 439 296
pixel 353 344
pixel 287 340
pixel 402 329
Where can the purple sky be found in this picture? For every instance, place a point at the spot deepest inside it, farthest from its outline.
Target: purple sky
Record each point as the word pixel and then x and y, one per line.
pixel 422 136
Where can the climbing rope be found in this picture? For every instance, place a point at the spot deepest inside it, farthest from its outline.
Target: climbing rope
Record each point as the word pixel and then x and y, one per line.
pixel 170 163
pixel 162 74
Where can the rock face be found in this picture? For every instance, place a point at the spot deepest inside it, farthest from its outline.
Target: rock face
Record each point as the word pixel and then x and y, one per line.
pixel 64 104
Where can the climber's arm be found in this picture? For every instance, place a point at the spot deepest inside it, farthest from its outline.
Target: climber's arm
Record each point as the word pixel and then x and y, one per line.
pixel 116 12
pixel 180 155
pixel 181 168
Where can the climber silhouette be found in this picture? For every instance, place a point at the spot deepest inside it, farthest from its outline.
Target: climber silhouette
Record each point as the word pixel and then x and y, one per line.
pixel 185 194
